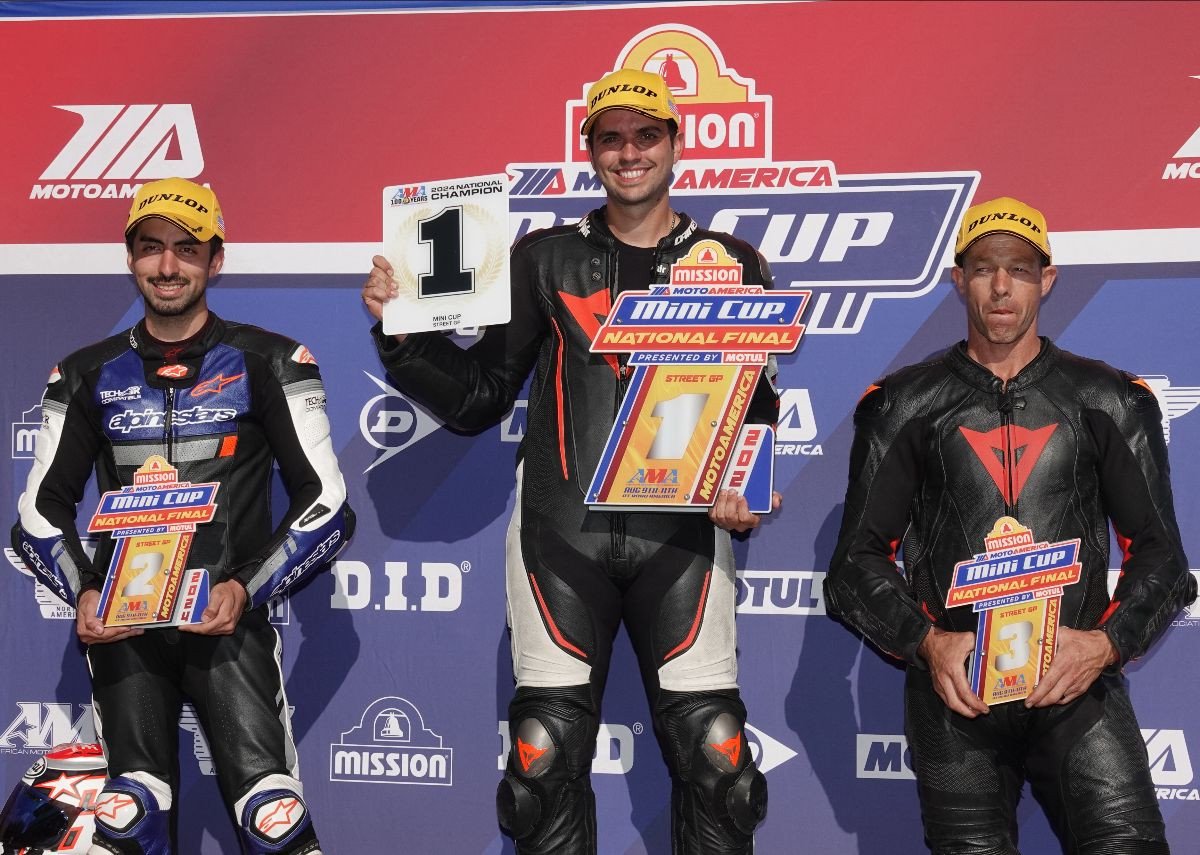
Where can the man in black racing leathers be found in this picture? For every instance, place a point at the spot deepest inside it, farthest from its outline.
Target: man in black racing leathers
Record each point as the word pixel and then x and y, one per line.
pixel 219 401
pixel 1006 424
pixel 573 575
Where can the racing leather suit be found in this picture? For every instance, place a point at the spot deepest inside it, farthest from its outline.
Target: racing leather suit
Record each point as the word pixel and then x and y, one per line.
pixel 942 450
pixel 574 574
pixel 219 407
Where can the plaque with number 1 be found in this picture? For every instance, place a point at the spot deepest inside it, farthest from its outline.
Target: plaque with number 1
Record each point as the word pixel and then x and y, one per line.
pixel 447 242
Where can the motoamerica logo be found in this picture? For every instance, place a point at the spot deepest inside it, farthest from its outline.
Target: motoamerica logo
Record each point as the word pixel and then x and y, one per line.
pixel 391 745
pixel 850 239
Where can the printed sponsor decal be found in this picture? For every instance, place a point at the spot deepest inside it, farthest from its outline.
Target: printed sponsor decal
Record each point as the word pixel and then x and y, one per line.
pixel 431 586
pixel 392 422
pixel 118 147
pixel 391 745
pixel 852 240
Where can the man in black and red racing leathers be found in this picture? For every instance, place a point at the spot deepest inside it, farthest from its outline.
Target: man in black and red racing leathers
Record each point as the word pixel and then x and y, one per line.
pixel 573 575
pixel 218 401
pixel 1006 424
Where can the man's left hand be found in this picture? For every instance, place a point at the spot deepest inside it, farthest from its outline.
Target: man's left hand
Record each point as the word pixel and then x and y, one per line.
pixel 226 603
pixel 1078 660
pixel 731 512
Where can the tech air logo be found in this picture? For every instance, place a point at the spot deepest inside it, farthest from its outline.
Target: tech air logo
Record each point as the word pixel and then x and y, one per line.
pixel 1186 162
pixel 1174 401
pixel 780 592
pixel 1170 765
pixel 39 726
pixel 885 756
pixel 392 423
pixel 614 748
pixel 119 146
pixel 797 425
pixel 391 745
pixel 852 240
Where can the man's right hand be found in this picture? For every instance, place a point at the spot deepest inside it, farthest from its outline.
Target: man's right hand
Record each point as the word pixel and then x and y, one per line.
pixel 379 288
pixel 89 627
pixel 946 654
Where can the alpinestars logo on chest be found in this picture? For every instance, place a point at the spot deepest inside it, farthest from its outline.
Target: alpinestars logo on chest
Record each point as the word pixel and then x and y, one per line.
pixel 1009 454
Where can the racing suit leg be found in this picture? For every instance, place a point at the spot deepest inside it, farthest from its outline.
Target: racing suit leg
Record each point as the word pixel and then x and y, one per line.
pixel 563 613
pixel 968 779
pixel 1088 768
pixel 236 684
pixel 136 702
pixel 680 616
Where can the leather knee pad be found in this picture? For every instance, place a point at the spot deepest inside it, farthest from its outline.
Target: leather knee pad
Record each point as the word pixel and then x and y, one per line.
pixel 720 797
pixel 545 801
pixel 133 816
pixel 273 818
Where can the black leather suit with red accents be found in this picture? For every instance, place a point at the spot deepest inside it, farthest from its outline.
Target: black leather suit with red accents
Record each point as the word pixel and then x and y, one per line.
pixel 574 574
pixel 942 450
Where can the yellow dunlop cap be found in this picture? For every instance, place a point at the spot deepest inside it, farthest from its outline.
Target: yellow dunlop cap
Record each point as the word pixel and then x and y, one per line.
pixel 192 207
pixel 1006 215
pixel 630 89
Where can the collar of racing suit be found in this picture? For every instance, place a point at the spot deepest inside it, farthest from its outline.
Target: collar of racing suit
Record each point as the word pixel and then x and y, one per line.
pixel 153 350
pixel 594 229
pixel 974 374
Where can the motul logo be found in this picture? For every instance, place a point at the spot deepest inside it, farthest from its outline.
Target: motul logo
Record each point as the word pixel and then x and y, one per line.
pixel 118 141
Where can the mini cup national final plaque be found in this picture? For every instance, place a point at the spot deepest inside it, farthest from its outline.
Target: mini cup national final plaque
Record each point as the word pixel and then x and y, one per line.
pixel 447 242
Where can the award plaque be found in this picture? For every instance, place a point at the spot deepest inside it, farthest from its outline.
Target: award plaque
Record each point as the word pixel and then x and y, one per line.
pixel 152 522
pixel 447 242
pixel 1016 587
pixel 697 348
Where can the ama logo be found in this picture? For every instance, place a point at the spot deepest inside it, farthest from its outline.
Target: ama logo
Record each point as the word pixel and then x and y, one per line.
pixel 797 425
pixel 408 195
pixel 852 240
pixel 39 726
pixel 119 146
pixel 1170 764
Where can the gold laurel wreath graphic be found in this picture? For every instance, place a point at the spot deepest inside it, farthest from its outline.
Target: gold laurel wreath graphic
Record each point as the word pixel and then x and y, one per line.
pixel 493 255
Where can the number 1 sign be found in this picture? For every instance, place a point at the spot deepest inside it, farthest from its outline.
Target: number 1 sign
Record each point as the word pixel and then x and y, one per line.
pixel 447 242
pixel 680 434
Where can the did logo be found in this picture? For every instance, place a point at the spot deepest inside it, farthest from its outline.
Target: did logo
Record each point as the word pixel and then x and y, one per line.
pixel 391 745
pixel 431 586
pixel 797 425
